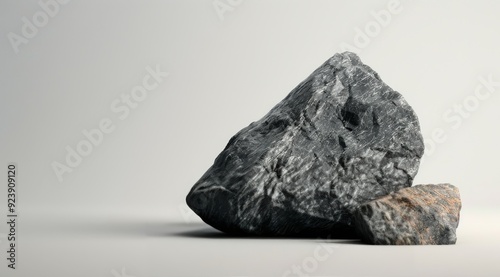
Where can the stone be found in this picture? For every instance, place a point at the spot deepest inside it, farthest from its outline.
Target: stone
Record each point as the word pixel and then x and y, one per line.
pixel 423 214
pixel 341 138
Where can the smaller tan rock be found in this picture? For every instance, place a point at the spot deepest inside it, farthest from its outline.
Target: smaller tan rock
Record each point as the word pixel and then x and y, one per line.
pixel 423 214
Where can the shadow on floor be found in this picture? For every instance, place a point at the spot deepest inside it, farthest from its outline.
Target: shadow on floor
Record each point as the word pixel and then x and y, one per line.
pixel 207 232
pixel 155 228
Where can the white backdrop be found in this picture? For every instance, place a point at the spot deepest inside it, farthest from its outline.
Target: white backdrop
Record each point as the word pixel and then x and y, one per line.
pixel 171 81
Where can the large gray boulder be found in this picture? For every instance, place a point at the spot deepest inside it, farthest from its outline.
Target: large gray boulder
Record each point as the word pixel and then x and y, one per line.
pixel 341 138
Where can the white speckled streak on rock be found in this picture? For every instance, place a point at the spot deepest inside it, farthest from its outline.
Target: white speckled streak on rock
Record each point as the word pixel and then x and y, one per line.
pixel 342 137
pixel 424 214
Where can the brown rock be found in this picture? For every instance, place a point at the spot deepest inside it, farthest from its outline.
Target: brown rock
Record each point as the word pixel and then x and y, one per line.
pixel 423 214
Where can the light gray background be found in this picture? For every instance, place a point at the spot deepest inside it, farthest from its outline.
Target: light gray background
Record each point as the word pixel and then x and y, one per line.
pixel 123 206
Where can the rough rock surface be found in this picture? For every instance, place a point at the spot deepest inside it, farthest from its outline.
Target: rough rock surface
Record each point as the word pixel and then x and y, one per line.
pixel 341 138
pixel 424 214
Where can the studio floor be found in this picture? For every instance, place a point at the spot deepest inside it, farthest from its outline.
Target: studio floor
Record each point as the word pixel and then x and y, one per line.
pixel 113 244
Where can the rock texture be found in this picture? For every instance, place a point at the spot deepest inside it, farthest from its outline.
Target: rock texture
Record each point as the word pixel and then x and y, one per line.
pixel 341 138
pixel 424 214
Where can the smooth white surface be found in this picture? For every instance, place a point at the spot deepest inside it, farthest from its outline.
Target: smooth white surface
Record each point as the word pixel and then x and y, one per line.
pixel 62 244
pixel 224 75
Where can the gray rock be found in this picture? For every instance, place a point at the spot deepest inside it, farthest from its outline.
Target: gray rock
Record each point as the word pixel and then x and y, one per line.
pixel 341 138
pixel 424 214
